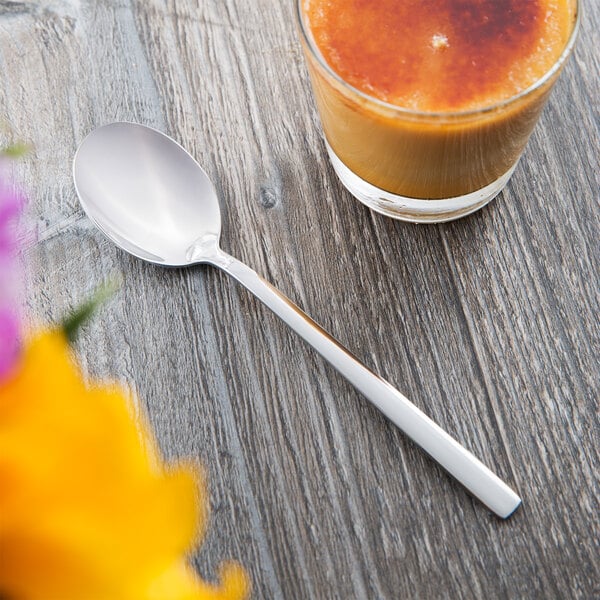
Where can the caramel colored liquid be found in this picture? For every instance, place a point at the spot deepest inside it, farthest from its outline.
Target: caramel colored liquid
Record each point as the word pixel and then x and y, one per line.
pixel 440 55
pixel 433 59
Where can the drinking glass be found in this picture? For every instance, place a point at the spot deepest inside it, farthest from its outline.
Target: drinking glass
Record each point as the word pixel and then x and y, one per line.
pixel 423 167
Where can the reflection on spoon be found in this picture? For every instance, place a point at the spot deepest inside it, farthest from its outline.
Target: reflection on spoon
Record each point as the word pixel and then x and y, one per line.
pixel 151 198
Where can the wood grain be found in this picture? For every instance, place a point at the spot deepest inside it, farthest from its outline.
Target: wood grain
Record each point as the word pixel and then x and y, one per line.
pixel 490 323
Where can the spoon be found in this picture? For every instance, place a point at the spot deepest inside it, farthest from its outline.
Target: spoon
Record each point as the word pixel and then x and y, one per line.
pixel 152 199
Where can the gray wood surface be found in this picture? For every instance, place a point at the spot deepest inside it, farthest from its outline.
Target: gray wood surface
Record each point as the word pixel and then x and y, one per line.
pixel 490 323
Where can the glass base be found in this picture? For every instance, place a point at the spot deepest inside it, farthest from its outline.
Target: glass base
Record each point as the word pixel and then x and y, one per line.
pixel 414 210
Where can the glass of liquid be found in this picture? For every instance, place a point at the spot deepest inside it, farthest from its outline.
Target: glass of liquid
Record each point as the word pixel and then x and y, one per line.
pixel 427 106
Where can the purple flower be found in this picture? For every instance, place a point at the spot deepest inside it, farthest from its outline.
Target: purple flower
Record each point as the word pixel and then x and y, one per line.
pixel 11 206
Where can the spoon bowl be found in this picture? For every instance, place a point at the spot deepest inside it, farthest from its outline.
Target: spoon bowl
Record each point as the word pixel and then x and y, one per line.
pixel 151 198
pixel 146 193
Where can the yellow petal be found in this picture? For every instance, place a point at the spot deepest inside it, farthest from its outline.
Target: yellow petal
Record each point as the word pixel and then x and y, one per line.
pixel 88 509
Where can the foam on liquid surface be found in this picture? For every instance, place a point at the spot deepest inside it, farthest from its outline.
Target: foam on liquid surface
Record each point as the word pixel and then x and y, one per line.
pixel 440 55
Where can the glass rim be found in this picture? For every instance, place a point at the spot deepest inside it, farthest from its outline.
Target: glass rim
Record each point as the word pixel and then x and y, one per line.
pixel 556 66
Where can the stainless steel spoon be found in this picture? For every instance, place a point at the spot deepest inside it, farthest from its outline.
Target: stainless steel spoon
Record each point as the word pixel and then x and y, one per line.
pixel 151 198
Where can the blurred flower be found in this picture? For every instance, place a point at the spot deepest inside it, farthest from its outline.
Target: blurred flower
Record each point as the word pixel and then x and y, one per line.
pixel 88 510
pixel 11 205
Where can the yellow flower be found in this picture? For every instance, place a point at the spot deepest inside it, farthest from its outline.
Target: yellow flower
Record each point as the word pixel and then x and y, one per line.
pixel 88 511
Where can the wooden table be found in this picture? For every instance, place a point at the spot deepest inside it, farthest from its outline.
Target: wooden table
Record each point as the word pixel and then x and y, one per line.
pixel 490 324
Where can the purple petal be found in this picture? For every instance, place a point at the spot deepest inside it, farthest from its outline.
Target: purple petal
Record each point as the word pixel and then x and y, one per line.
pixel 11 206
pixel 10 341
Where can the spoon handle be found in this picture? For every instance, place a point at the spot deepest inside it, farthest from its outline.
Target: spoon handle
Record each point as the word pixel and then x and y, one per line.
pixel 458 461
